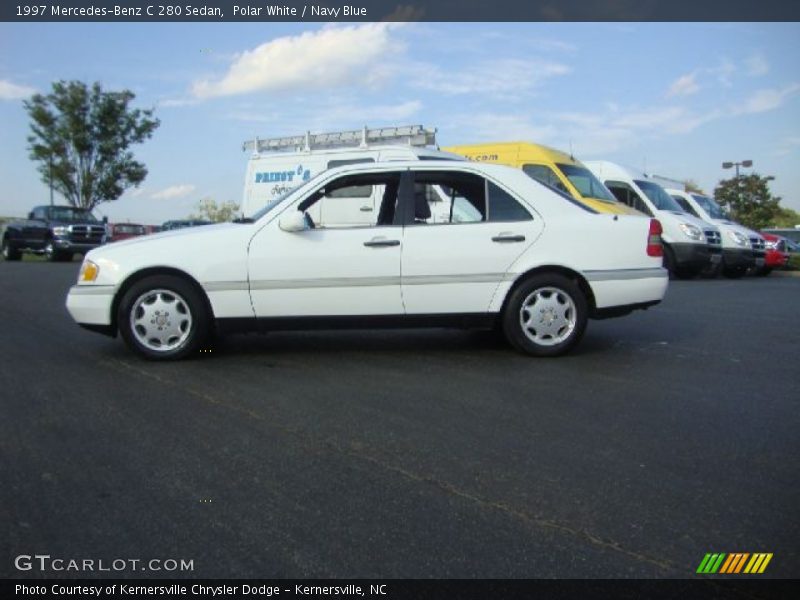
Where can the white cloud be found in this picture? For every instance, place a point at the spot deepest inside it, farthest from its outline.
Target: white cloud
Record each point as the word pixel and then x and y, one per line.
pixel 723 72
pixel 756 65
pixel 13 91
pixel 312 61
pixel 178 102
pixel 499 78
pixel 788 146
pixel 686 85
pixel 767 99
pixel 174 191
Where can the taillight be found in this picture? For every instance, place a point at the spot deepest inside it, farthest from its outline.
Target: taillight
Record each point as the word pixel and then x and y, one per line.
pixel 654 247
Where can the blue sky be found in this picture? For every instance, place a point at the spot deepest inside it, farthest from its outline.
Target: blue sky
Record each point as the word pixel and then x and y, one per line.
pixel 677 98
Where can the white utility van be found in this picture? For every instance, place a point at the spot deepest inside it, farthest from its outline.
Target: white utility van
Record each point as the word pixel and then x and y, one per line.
pixel 278 165
pixel 691 245
pixel 742 248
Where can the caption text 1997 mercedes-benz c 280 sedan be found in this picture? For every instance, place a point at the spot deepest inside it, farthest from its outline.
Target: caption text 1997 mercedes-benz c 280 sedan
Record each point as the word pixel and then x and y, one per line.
pixel 447 243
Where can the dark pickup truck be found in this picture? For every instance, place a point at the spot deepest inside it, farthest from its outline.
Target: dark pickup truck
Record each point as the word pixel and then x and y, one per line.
pixel 58 232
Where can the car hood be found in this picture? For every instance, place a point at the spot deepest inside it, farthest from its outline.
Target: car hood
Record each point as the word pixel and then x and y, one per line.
pixel 692 220
pixel 189 234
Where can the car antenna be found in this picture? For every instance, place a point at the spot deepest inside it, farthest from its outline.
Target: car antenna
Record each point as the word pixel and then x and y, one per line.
pixel 571 153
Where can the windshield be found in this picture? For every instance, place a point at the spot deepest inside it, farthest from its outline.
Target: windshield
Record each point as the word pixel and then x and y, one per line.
pixel 71 215
pixel 587 184
pixel 714 210
pixel 661 199
pixel 276 201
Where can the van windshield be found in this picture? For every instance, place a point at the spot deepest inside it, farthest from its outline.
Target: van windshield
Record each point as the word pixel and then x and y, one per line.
pixel 661 199
pixel 586 183
pixel 714 210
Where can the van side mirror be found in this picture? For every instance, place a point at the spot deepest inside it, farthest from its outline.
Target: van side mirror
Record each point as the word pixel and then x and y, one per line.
pixel 294 221
pixel 30 216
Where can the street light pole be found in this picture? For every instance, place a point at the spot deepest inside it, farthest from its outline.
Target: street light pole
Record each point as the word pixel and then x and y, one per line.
pixel 744 163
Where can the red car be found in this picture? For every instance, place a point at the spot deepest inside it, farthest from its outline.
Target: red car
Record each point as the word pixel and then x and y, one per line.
pixel 777 255
pixel 123 231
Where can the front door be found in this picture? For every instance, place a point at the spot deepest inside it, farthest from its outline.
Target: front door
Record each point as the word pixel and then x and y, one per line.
pixel 332 268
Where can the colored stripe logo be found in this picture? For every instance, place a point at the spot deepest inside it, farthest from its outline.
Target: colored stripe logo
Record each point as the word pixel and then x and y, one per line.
pixel 734 563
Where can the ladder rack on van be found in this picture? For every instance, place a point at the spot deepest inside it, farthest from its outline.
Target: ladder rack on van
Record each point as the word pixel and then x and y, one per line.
pixel 411 135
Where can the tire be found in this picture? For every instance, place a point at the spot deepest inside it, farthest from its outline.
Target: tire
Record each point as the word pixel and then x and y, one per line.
pixel 669 262
pixel 163 317
pixel 51 253
pixel 562 312
pixel 763 271
pixel 9 252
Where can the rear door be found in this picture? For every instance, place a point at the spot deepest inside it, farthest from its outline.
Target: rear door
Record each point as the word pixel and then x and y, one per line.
pixel 462 234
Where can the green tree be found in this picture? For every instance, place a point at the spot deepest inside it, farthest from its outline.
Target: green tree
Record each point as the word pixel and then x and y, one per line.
pixel 786 217
pixel 81 138
pixel 749 200
pixel 208 209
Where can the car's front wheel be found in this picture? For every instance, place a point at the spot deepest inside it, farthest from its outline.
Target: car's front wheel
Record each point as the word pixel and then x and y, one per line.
pixel 163 318
pixel 546 315
pixel 9 252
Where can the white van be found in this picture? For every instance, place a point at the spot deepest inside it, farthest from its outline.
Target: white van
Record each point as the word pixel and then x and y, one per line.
pixel 278 165
pixel 742 248
pixel 691 245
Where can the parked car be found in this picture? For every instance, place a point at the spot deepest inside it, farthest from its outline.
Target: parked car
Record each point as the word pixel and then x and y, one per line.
pixel 778 253
pixel 551 167
pixel 182 223
pixel 57 232
pixel 513 255
pixel 123 231
pixel 790 233
pixel 742 248
pixel 691 245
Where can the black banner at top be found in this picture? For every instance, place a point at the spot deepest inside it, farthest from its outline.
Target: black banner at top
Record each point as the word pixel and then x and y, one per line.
pixel 397 10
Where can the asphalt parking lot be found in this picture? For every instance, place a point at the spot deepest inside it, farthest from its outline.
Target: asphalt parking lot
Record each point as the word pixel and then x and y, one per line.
pixel 668 434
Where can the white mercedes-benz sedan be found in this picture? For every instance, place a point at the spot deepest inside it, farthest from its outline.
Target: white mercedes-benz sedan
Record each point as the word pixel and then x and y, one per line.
pixel 423 243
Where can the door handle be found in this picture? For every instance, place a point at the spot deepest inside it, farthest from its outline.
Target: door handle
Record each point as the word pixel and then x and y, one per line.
pixel 377 243
pixel 507 237
pixel 365 209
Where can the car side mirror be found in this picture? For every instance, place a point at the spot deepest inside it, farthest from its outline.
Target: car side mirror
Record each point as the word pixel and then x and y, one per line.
pixel 294 221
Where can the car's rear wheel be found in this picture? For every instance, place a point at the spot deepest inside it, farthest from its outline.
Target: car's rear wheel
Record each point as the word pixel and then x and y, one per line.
pixel 546 315
pixel 763 271
pixel 9 252
pixel 163 317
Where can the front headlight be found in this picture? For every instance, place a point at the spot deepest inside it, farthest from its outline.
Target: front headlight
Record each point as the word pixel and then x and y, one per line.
pixel 692 232
pixel 738 238
pixel 89 272
pixel 60 230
